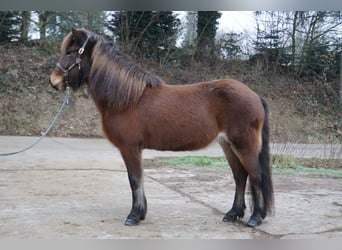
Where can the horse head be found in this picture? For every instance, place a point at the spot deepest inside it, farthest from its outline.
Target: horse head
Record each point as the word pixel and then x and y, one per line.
pixel 74 65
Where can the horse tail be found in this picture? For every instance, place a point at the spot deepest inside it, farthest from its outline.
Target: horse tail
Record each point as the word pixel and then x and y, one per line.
pixel 264 163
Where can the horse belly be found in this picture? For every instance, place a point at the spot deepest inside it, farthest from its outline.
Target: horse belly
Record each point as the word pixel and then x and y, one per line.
pixel 178 118
pixel 181 135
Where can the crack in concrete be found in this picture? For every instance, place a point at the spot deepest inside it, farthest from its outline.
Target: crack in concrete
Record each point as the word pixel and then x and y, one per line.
pixel 214 210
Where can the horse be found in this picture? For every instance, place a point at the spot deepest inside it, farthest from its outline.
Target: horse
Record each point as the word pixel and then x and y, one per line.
pixel 140 111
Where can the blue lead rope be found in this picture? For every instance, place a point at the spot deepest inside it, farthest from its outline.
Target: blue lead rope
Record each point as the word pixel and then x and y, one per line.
pixel 65 102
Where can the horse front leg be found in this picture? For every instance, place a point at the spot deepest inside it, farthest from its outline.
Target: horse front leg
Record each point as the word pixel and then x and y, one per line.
pixel 132 158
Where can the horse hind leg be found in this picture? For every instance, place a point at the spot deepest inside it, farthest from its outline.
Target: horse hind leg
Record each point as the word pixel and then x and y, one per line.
pixel 247 155
pixel 261 186
pixel 132 159
pixel 255 175
pixel 254 156
pixel 240 177
pixel 257 200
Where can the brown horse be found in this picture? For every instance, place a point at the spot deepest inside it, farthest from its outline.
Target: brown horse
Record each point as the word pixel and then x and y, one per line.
pixel 139 111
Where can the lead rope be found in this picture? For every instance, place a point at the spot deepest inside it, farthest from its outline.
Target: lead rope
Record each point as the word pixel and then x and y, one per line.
pixel 65 102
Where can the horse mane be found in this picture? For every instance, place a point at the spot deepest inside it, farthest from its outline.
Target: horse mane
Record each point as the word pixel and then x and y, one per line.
pixel 114 79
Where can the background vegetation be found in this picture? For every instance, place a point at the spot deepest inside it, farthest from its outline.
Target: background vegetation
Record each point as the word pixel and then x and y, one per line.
pixel 294 61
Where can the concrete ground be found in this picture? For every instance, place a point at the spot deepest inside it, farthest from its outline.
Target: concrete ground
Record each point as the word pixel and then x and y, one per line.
pixel 78 188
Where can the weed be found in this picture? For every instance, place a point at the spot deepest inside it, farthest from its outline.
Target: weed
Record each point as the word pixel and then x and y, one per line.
pixel 23 124
pixel 282 160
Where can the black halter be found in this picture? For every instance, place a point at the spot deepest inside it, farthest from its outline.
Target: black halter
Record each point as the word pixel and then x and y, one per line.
pixel 76 63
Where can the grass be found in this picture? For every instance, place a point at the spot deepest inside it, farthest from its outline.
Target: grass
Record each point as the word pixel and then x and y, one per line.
pixel 200 161
pixel 287 164
pixel 308 171
pixel 23 124
pixel 281 164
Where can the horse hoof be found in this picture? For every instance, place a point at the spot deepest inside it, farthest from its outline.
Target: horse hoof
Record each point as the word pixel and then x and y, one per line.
pixel 131 222
pixel 229 218
pixel 233 214
pixel 253 222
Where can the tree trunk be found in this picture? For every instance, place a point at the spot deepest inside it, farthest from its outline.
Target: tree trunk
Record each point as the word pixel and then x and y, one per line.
pixel 293 38
pixel 308 41
pixel 25 25
pixel 43 18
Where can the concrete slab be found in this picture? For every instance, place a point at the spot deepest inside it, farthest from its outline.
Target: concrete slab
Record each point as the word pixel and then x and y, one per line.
pixel 78 188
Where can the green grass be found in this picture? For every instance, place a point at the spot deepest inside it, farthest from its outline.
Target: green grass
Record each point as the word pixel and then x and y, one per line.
pixel 281 164
pixel 200 161
pixel 23 124
pixel 307 171
pixel 287 164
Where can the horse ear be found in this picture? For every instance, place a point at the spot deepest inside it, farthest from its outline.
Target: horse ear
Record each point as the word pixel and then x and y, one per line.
pixel 74 32
pixel 79 34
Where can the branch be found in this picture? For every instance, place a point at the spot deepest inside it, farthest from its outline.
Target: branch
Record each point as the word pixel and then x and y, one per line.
pixel 327 31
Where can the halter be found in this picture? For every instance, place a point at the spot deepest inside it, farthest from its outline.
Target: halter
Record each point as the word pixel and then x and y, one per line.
pixel 76 63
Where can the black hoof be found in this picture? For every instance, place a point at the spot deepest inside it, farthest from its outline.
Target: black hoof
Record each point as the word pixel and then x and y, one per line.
pixel 131 222
pixel 253 222
pixel 233 215
pixel 229 217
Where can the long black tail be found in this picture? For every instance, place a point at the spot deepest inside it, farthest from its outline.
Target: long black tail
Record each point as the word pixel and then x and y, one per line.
pixel 264 163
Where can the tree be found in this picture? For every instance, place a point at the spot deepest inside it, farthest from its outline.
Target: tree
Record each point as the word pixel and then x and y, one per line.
pixel 56 24
pixel 317 32
pixel 148 33
pixel 43 17
pixel 341 77
pixel 296 18
pixel 25 25
pixel 206 32
pixel 229 45
pixel 9 26
pixel 190 31
pixel 271 45
pixel 93 20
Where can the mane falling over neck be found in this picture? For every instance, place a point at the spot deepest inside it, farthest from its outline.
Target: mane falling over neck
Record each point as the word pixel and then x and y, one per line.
pixel 114 79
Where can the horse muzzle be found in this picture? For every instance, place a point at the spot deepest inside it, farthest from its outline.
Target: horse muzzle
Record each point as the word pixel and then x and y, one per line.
pixel 57 81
